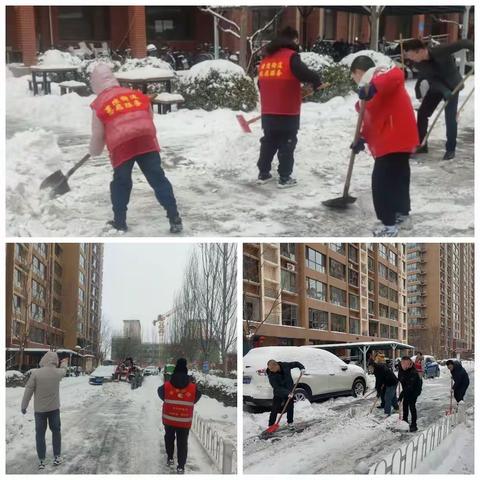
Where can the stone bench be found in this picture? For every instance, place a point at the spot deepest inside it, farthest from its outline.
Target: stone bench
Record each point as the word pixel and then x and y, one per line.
pixel 165 101
pixel 70 86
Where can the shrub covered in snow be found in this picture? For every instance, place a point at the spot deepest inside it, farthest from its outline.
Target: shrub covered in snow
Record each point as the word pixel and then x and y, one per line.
pixel 216 84
pixel 56 58
pixel 220 388
pixel 14 378
pixel 147 62
pixel 377 57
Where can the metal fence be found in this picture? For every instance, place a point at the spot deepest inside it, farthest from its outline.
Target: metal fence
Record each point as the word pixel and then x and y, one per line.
pixel 221 451
pixel 406 458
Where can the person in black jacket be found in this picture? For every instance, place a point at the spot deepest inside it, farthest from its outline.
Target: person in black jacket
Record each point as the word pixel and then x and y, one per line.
pixel 460 378
pixel 179 379
pixel 437 65
pixel 280 73
pixel 411 389
pixel 280 378
pixel 385 384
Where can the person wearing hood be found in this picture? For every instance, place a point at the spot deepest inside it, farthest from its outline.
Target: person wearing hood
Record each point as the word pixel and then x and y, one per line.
pixel 385 384
pixel 389 128
pixel 460 378
pixel 122 119
pixel 179 395
pixel 280 74
pixel 411 389
pixel 44 386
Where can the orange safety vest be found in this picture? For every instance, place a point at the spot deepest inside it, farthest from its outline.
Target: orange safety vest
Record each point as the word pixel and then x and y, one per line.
pixel 177 410
pixel 280 90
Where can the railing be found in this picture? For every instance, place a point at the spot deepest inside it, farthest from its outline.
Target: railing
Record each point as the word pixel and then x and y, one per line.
pixel 221 451
pixel 406 458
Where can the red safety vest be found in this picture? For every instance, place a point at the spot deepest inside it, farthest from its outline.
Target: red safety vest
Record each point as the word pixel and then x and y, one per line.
pixel 125 114
pixel 178 405
pixel 280 90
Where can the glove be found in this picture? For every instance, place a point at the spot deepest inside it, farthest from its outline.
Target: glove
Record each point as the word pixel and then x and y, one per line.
pixel 367 94
pixel 24 411
pixel 302 371
pixel 358 146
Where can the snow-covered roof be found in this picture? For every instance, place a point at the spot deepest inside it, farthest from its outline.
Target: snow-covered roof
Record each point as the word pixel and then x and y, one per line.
pixel 385 343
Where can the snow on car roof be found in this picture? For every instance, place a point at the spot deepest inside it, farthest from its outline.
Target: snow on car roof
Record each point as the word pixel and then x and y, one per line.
pixel 387 343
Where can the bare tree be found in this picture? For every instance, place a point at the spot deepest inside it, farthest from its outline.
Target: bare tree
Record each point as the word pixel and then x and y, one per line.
pixel 374 19
pixel 104 340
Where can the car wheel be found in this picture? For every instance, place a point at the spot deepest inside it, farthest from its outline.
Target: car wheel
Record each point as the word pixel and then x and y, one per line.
pixel 358 388
pixel 301 394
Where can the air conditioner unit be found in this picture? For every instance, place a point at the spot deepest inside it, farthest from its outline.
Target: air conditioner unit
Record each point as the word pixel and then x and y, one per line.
pixel 290 267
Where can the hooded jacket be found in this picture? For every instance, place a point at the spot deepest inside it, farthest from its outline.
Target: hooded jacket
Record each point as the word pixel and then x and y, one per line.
pixel 282 381
pixel 122 119
pixel 44 384
pixel 460 379
pixel 384 377
pixel 411 382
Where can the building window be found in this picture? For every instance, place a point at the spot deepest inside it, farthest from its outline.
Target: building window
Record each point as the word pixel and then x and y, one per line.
pixel 58 250
pixel 371 307
pixel 371 285
pixel 38 267
pixel 383 290
pixel 41 248
pixel 21 253
pixel 82 261
pixel 317 319
pixel 393 332
pixel 16 304
pixel 392 257
pixel 18 278
pixel 250 269
pixel 79 22
pixel 353 301
pixel 337 269
pixel 384 331
pixel 354 326
pixel 81 278
pixel 373 329
pixel 371 264
pixel 392 276
pixel 58 270
pixel 393 314
pixel 38 292
pixel 315 260
pixel 383 251
pixel 57 287
pixel 329 24
pixel 81 295
pixel 289 314
pixel 57 306
pixel 37 335
pixel 80 312
pixel 353 253
pixel 316 289
pixel 383 271
pixel 288 250
pixel 168 23
pixel 383 310
pixel 393 295
pixel 352 277
pixel 289 281
pixel 37 312
pixel 338 247
pixel 338 322
pixel 338 296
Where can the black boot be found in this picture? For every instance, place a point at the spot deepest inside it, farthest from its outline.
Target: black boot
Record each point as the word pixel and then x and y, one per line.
pixel 449 155
pixel 413 428
pixel 119 225
pixel 176 225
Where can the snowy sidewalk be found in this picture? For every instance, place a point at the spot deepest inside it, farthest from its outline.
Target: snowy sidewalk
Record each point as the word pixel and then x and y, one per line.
pixel 212 166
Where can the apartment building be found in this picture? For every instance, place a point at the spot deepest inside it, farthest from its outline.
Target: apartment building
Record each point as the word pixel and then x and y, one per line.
pixel 53 300
pixel 441 305
pixel 132 329
pixel 317 293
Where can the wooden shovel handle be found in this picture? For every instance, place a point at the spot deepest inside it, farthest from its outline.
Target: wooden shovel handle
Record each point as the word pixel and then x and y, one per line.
pixel 77 165
pixel 289 398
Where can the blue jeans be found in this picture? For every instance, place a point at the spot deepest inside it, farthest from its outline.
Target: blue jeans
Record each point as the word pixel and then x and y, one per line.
pixel 390 399
pixel 121 185
pixel 53 419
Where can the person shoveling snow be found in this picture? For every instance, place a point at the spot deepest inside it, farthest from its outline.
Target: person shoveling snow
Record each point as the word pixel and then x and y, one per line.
pixel 123 120
pixel 411 389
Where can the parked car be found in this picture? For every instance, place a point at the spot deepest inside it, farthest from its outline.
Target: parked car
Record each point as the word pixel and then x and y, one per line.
pixel 150 370
pixel 325 375
pixel 102 374
pixel 432 367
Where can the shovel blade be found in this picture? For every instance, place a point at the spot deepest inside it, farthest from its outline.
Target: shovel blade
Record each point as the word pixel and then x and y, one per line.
pixel 60 189
pixel 340 202
pixel 53 180
pixel 243 124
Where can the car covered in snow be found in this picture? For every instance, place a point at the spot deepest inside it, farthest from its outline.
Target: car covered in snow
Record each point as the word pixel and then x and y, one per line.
pixel 432 367
pixel 150 370
pixel 325 375
pixel 102 374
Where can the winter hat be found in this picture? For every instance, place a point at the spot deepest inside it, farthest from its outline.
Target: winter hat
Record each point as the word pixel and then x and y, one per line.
pixel 102 78
pixel 181 366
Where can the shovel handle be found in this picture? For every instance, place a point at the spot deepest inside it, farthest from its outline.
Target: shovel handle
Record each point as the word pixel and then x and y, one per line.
pixel 77 165
pixel 289 398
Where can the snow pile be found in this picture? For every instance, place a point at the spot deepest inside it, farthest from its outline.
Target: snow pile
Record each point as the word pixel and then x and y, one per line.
pixel 13 374
pixel 14 378
pixel 225 69
pixel 148 67
pixel 169 97
pixel 316 61
pixel 227 384
pixel 56 58
pixel 377 57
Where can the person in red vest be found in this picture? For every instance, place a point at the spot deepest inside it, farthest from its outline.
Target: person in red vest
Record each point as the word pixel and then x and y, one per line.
pixel 123 120
pixel 179 396
pixel 390 130
pixel 279 80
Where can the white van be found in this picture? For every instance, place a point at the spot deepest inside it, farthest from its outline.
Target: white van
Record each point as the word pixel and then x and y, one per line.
pixel 325 375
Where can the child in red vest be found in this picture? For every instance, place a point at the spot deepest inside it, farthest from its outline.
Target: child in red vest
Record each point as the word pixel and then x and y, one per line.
pixel 123 120
pixel 279 77
pixel 390 130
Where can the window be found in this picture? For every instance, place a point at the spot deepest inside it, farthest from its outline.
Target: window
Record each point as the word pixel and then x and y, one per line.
pixel 338 247
pixel 37 313
pixel 383 310
pixel 317 319
pixel 57 306
pixel 41 248
pixel 371 264
pixel 251 309
pixel 38 292
pixel 354 326
pixel 352 277
pixel 392 257
pixel 250 269
pixel 338 296
pixel 20 252
pixel 81 278
pixel 167 23
pixel 57 287
pixel 393 332
pixel 392 276
pixel 393 314
pixel 81 295
pixel 316 289
pixel 382 271
pixel 315 260
pixel 383 290
pixel 373 329
pixel 383 251
pixel 353 253
pixel 339 322
pixel 262 16
pixel 16 303
pixel 85 22
pixel 353 301
pixel 289 281
pixel 80 312
pixel 289 314
pixel 58 270
pixel 37 335
pixel 393 294
pixel 18 278
pixel 288 250
pixel 38 267
pixel 384 331
pixel 371 307
pixel 329 24
pixel 371 285
pixel 337 269
pixel 82 261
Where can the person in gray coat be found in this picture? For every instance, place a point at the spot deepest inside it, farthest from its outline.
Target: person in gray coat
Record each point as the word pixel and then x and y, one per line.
pixel 44 386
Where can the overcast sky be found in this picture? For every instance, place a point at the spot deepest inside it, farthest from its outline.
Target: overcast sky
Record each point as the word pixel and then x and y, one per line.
pixel 140 280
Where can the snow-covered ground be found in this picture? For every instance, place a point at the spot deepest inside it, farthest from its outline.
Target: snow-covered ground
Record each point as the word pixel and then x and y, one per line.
pixel 344 435
pixel 212 165
pixel 108 429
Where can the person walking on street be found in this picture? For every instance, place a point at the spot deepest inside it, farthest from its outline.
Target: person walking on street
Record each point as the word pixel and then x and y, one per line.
pixel 411 389
pixel 44 386
pixel 385 385
pixel 460 378
pixel 179 395
pixel 437 65
pixel 420 364
pixel 280 74
pixel 280 378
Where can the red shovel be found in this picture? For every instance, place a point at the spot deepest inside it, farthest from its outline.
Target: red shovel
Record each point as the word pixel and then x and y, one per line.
pixel 273 428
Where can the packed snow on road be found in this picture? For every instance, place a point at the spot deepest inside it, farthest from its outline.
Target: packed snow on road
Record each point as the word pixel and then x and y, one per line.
pixel 212 166
pixel 109 429
pixel 343 438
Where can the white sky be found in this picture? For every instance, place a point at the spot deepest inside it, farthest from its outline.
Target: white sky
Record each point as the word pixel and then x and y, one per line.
pixel 139 282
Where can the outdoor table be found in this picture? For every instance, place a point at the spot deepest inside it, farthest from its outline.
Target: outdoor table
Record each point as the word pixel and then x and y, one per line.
pixel 142 82
pixel 45 70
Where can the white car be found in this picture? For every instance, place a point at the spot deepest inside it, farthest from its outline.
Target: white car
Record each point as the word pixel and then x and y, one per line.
pixel 325 375
pixel 150 370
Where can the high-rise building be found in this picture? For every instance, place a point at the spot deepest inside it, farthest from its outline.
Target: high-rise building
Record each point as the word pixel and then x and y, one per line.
pixel 318 293
pixel 441 301
pixel 53 300
pixel 132 329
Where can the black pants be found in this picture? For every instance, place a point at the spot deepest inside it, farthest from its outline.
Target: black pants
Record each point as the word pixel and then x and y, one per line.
pixel 282 142
pixel 409 403
pixel 391 186
pixel 121 185
pixel 181 434
pixel 277 406
pixel 53 419
pixel 428 106
pixel 459 393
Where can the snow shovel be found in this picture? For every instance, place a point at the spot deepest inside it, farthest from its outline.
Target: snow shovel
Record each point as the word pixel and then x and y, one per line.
pixel 346 199
pixel 273 428
pixel 467 98
pixel 454 92
pixel 58 182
